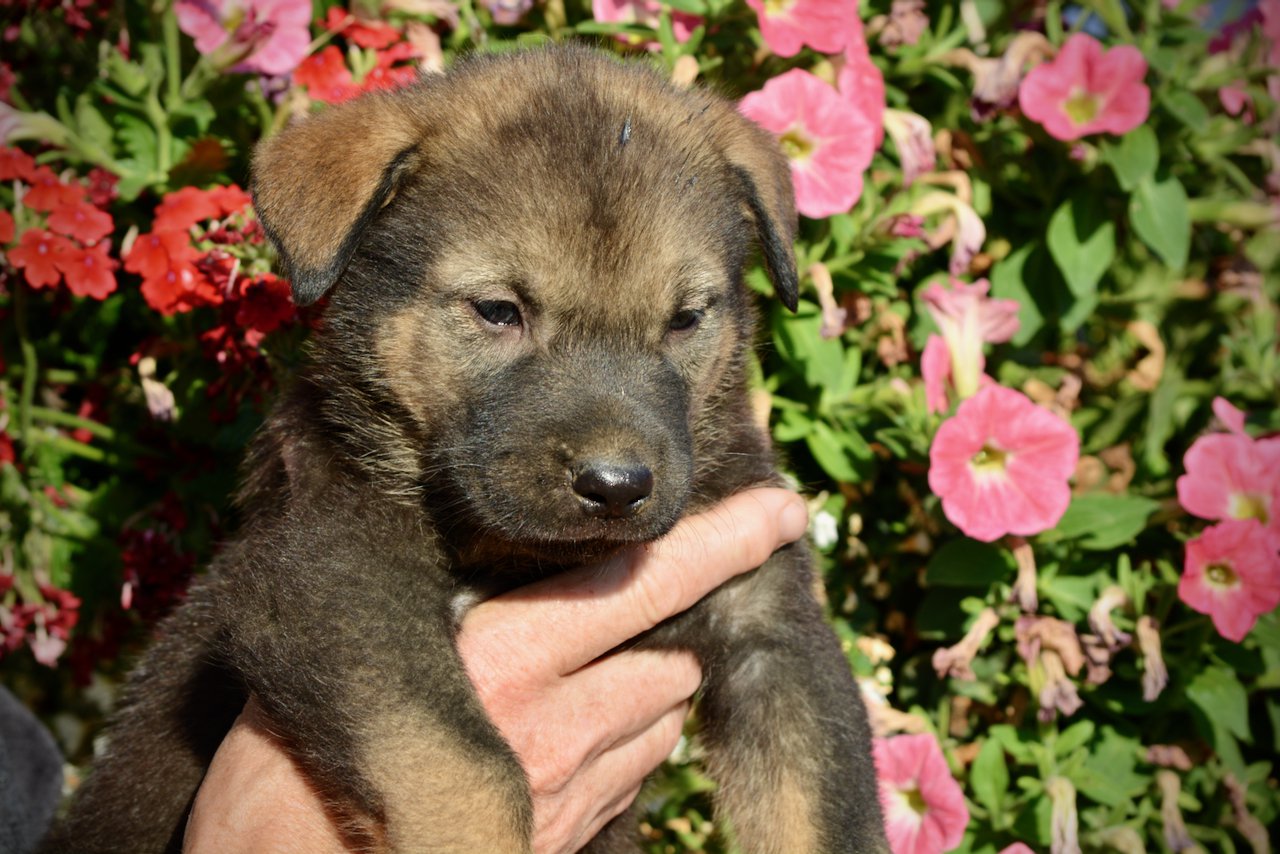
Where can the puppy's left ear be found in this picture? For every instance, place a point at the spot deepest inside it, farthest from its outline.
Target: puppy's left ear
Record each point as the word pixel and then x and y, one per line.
pixel 757 159
pixel 319 184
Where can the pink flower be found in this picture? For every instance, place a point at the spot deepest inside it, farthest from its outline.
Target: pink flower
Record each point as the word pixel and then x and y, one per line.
pixel 967 318
pixel 788 25
pixel 1232 573
pixel 1231 417
pixel 1231 476
pixel 935 367
pixel 860 80
pixel 1017 848
pixel 828 142
pixel 924 808
pixel 646 12
pixel 263 36
pixel 1087 90
pixel 1001 465
pixel 960 225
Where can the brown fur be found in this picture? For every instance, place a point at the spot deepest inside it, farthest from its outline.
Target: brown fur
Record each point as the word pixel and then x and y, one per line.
pixel 431 454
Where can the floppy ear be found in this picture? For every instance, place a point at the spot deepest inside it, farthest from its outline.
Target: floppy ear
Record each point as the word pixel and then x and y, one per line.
pixel 758 161
pixel 319 184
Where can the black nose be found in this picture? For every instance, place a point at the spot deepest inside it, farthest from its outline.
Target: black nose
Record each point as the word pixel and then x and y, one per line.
pixel 610 490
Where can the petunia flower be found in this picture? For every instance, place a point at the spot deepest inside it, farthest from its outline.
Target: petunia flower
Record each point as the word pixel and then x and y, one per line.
pixel 924 808
pixel 788 25
pixel 1025 590
pixel 646 12
pixel 956 661
pixel 1087 90
pixel 1232 476
pixel 1052 651
pixel 88 271
pixel 834 316
pixel 935 369
pixel 261 36
pixel 996 79
pixel 1231 417
pixel 1064 820
pixel 961 226
pixel 1174 826
pixel 1232 573
pixel 968 318
pixel 36 255
pixel 860 80
pixel 1001 464
pixel 828 142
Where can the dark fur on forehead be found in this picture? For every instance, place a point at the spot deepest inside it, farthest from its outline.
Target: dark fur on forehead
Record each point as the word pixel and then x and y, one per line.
pixel 322 183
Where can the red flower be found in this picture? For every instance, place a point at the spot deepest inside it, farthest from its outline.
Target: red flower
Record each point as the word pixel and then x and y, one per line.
pixel 156 252
pixel 6 227
pixel 190 205
pixel 48 192
pixel 326 76
pixel 15 163
pixel 265 303
pixel 88 271
pixel 102 187
pixel 36 255
pixel 376 34
pixel 82 221
pixel 167 293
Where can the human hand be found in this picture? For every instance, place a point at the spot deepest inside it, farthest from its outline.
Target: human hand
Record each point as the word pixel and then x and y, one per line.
pixel 588 726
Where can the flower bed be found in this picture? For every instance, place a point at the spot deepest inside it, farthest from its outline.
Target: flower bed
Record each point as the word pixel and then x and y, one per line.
pixel 1031 386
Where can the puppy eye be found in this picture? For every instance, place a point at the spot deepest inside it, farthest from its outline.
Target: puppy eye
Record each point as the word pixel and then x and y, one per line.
pixel 685 320
pixel 499 312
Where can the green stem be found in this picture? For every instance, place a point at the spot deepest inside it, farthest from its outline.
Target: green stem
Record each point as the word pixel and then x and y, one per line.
pixel 30 367
pixel 66 419
pixel 172 57
pixel 67 445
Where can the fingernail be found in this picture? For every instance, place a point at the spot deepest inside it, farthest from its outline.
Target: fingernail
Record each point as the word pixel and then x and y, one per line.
pixel 793 521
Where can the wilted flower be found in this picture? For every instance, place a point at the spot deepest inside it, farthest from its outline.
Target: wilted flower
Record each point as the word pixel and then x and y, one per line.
pixel 1248 825
pixel 996 80
pixel 962 227
pixel 1106 640
pixel 1087 90
pixel 263 36
pixel 968 318
pixel 1154 674
pixel 1052 652
pixel 956 661
pixel 905 23
pixel 1175 829
pixel 1024 590
pixel 1001 465
pixel 788 25
pixel 833 315
pixel 912 136
pixel 828 142
pixel 1232 573
pixel 924 808
pixel 1064 823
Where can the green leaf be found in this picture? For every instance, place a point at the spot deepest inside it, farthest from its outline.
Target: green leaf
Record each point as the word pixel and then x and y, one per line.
pixel 1134 157
pixel 821 360
pixel 1103 521
pixel 1187 108
pixel 1107 775
pixel 1159 213
pixel 969 563
pixel 1218 693
pixel 129 76
pixel 1082 241
pixel 91 125
pixel 1076 735
pixel 1016 277
pixel 832 453
pixel 989 776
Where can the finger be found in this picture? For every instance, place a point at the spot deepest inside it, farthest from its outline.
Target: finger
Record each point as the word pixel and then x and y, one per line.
pixel 609 784
pixel 597 708
pixel 578 616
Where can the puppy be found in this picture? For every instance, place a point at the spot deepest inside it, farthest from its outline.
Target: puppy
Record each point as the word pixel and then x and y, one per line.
pixel 532 356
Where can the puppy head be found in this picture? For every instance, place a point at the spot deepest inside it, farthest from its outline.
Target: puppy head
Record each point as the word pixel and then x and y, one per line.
pixel 536 265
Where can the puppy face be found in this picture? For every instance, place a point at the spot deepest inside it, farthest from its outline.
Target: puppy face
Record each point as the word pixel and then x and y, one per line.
pixel 546 286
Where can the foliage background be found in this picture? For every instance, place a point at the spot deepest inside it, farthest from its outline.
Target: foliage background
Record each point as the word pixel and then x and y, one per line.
pixel 1174 225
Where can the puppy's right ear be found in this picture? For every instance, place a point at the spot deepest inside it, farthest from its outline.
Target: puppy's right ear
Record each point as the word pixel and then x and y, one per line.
pixel 319 184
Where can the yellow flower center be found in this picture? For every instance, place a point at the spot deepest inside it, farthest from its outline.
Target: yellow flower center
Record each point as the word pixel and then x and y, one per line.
pixel 796 144
pixel 990 460
pixel 1220 575
pixel 1081 107
pixel 1245 506
pixel 913 799
pixel 773 8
